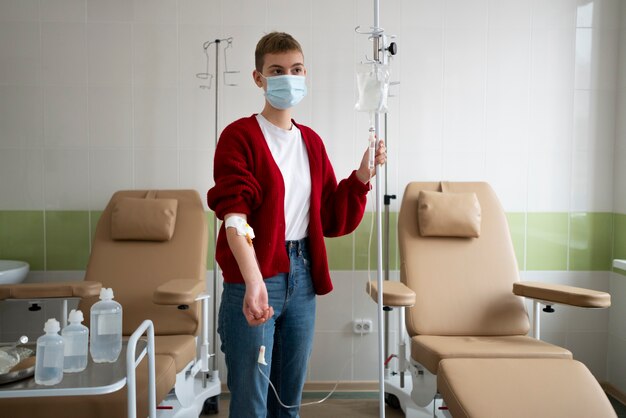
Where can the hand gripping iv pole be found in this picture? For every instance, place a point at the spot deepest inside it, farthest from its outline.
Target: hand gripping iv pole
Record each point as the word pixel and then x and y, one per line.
pixel 381 54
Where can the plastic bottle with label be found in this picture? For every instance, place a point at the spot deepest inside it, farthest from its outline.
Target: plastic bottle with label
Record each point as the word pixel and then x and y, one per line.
pixel 106 328
pixel 49 363
pixel 76 340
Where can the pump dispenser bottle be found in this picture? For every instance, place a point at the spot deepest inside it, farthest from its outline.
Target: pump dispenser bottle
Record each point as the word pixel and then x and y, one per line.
pixel 106 328
pixel 49 363
pixel 76 339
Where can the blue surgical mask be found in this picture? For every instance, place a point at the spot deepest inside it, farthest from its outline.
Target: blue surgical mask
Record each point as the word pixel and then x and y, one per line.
pixel 285 91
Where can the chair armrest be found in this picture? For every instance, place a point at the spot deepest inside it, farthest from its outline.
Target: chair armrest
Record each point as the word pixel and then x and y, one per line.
pixel 178 292
pixel 395 294
pixel 79 289
pixel 568 295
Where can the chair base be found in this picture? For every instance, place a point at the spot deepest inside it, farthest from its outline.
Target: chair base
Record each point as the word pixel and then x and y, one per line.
pixel 401 396
pixel 200 394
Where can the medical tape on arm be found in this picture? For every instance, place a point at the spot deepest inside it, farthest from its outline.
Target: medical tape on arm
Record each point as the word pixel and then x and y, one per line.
pixel 241 227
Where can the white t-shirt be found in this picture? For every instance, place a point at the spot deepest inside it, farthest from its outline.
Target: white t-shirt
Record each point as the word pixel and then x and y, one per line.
pixel 290 155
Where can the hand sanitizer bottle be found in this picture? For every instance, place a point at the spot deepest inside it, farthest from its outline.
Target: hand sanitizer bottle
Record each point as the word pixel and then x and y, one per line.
pixel 49 363
pixel 76 339
pixel 106 328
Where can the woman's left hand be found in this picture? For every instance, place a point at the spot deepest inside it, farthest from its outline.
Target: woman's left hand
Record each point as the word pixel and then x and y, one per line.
pixel 364 173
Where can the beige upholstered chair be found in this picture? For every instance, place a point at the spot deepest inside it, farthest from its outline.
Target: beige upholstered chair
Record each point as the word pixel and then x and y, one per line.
pixel 157 268
pixel 465 323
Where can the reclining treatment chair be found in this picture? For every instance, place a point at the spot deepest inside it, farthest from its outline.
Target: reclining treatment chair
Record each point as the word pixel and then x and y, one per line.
pixel 466 324
pixel 150 247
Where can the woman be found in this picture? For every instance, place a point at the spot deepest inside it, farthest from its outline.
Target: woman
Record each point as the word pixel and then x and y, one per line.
pixel 277 193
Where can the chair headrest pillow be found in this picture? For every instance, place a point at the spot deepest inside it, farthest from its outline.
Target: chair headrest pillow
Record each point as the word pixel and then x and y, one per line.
pixel 448 214
pixel 143 219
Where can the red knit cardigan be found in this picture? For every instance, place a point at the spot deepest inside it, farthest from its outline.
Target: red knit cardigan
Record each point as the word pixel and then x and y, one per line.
pixel 247 180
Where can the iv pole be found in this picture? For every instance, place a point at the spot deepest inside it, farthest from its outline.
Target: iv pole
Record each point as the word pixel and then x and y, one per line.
pixel 208 76
pixel 379 243
pixel 381 52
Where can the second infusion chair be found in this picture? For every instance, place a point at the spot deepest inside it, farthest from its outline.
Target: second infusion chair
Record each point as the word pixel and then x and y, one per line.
pixel 467 321
pixel 150 247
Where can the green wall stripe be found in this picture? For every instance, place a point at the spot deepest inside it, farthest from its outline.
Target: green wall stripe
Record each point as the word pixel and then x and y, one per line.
pixel 339 251
pixel 590 242
pixel 366 248
pixel 67 240
pixel 619 239
pixel 210 256
pixel 581 241
pixel 546 241
pixel 22 237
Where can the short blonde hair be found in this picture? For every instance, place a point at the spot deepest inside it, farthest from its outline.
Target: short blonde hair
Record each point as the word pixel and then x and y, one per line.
pixel 272 43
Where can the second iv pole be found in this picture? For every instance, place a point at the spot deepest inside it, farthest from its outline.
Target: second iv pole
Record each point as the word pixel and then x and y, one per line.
pixel 382 50
pixel 206 75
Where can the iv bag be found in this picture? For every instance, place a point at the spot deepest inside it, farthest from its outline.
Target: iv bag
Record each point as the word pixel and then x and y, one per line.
pixel 373 85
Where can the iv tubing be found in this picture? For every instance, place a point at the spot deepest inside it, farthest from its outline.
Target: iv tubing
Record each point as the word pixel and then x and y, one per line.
pixel 372 148
pixel 302 404
pixel 261 360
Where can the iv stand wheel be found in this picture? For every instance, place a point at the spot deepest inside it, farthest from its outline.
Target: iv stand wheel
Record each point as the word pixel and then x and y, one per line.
pixel 211 406
pixel 392 400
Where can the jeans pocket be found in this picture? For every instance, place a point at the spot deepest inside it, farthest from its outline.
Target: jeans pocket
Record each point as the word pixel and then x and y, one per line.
pixel 306 258
pixel 221 325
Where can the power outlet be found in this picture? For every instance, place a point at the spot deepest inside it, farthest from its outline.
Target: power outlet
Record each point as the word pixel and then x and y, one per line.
pixel 362 326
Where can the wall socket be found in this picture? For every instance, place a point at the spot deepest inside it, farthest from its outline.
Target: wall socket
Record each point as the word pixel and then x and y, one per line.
pixel 362 326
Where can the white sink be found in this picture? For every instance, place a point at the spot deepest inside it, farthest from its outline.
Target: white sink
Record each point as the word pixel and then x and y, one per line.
pixel 12 271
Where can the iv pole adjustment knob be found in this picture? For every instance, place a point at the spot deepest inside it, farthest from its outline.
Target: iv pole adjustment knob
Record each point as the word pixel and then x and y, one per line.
pixel 393 48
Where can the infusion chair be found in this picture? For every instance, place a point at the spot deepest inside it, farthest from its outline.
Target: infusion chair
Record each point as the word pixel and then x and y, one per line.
pixel 150 247
pixel 467 321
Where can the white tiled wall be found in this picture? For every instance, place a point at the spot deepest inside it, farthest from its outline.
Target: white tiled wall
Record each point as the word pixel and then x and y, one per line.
pixel 616 364
pixel 100 95
pixel 521 93
pixel 619 190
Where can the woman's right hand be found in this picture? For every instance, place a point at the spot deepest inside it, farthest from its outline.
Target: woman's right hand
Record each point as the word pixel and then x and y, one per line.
pixel 256 308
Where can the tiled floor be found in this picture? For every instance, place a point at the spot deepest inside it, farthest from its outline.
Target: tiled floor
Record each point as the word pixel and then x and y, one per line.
pixel 355 404
pixel 340 405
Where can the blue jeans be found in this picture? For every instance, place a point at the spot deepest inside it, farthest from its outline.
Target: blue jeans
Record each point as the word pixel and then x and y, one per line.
pixel 287 337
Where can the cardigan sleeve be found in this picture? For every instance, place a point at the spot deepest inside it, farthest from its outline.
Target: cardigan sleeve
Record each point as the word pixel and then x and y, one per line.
pixel 236 189
pixel 343 204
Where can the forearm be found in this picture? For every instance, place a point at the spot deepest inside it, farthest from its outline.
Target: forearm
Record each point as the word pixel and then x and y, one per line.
pixel 363 174
pixel 255 304
pixel 244 254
